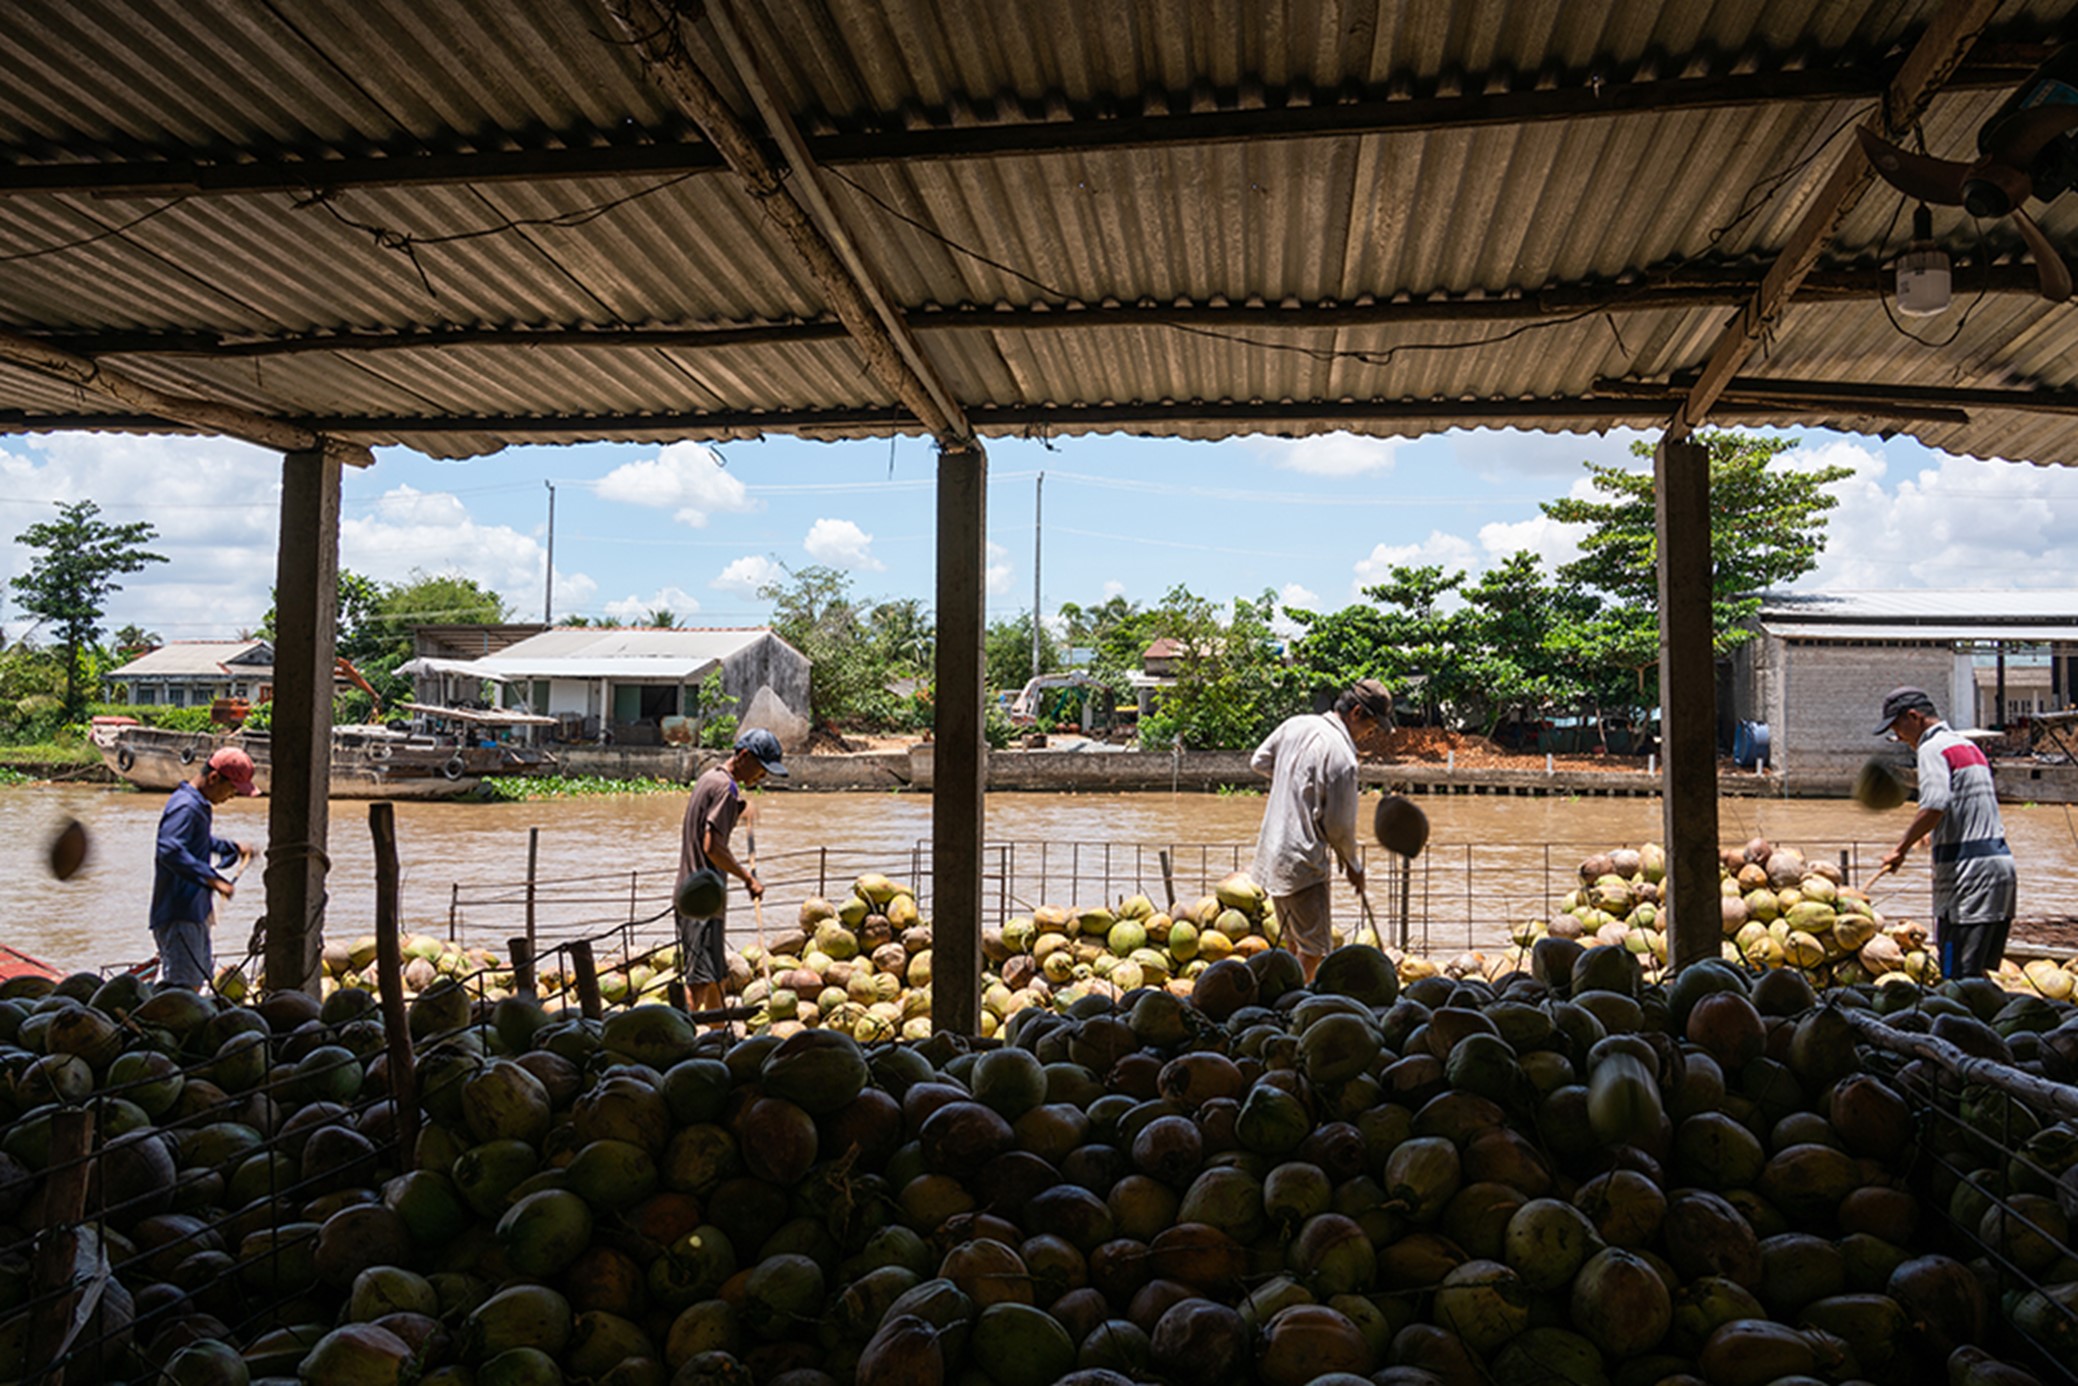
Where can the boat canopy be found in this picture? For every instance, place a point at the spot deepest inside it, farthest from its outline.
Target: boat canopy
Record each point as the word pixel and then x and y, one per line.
pixel 489 717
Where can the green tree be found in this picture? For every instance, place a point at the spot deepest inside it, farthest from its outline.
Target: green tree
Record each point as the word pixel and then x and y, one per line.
pixel 814 610
pixel 904 636
pixel 133 640
pixel 1007 649
pixel 664 618
pixel 1232 683
pixel 1767 528
pixel 77 559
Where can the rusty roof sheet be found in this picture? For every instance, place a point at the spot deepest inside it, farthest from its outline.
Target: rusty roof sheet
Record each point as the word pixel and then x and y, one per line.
pixel 1469 214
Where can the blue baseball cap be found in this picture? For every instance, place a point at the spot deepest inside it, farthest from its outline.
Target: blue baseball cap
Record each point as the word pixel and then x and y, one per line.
pixel 765 746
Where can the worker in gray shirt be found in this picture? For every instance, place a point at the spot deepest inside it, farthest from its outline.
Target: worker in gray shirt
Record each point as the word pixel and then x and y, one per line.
pixel 1974 880
pixel 1311 812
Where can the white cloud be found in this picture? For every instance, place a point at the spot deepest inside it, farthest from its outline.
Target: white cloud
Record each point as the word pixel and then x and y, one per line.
pixel 1955 523
pixel 1301 597
pixel 214 506
pixel 433 532
pixel 685 478
pixel 1448 551
pixel 635 610
pixel 998 569
pixel 1492 453
pixel 841 544
pixel 1114 588
pixel 748 575
pixel 1552 542
pixel 1328 454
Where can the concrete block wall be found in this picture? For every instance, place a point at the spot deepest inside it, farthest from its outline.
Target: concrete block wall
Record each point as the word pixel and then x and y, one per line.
pixel 1828 695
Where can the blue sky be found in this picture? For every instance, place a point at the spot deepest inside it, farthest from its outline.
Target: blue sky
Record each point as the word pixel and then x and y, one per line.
pixel 694 529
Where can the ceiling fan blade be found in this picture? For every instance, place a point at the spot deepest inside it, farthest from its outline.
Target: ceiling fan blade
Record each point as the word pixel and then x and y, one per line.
pixel 2050 269
pixel 1939 181
pixel 2022 135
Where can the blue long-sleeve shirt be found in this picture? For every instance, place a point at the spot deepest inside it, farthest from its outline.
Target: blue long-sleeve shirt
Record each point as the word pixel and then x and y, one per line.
pixel 187 856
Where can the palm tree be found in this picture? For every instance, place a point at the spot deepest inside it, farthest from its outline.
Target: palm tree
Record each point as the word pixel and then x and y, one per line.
pixel 663 617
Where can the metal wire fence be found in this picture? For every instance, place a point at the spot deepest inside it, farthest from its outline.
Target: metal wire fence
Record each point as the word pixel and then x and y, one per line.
pixel 1992 1154
pixel 1452 897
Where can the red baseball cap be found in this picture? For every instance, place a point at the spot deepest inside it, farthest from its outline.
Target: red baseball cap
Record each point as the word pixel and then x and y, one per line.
pixel 237 767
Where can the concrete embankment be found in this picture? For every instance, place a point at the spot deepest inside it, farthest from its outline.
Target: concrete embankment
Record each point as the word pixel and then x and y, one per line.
pixel 1117 772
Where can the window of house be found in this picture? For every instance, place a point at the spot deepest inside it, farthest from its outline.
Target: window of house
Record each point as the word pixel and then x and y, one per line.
pixel 176 695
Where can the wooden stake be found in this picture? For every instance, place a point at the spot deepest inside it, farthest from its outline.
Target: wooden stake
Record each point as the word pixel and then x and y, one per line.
pixel 522 951
pixel 56 1267
pixel 588 1003
pixel 389 965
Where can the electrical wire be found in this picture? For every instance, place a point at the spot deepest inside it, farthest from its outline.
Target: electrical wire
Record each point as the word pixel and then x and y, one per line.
pixel 109 233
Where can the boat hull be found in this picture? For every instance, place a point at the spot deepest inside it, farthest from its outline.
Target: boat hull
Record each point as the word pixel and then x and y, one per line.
pixel 154 759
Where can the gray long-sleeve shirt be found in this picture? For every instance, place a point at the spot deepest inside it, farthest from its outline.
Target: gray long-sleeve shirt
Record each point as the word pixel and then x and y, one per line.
pixel 1312 765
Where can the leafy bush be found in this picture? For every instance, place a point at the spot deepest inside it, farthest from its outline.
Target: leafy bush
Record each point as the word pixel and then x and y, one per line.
pixel 997 728
pixel 720 732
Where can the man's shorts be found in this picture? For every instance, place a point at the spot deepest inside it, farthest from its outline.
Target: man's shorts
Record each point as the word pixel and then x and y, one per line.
pixel 1971 950
pixel 1305 918
pixel 186 958
pixel 702 955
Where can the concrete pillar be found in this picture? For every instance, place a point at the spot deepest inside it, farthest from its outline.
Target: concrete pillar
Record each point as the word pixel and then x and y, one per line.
pixel 306 608
pixel 1688 698
pixel 959 750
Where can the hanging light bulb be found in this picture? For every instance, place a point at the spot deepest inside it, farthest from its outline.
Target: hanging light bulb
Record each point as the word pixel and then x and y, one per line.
pixel 1923 271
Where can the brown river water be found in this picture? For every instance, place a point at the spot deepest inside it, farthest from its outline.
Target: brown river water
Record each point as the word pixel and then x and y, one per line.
pixel 604 861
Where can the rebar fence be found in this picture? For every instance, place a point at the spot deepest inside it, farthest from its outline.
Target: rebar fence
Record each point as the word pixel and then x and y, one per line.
pixel 1996 1168
pixel 1452 897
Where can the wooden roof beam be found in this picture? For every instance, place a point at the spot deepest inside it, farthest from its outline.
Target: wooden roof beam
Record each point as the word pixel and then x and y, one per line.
pixel 1625 401
pixel 1930 63
pixel 578 157
pixel 1659 293
pixel 894 360
pixel 209 416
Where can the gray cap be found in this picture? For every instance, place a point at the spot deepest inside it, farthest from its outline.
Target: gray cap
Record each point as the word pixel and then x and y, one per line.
pixel 765 746
pixel 1900 701
pixel 1373 697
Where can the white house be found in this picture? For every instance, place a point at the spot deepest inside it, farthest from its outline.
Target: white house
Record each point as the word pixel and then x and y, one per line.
pixel 635 683
pixel 195 673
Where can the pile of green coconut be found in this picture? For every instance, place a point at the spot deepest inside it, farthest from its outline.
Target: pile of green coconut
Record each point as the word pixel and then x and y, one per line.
pixel 1568 1173
pixel 1777 910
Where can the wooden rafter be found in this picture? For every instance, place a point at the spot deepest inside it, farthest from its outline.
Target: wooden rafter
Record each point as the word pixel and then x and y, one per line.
pixel 209 416
pixel 581 156
pixel 1620 400
pixel 1932 61
pixel 1689 289
pixel 651 26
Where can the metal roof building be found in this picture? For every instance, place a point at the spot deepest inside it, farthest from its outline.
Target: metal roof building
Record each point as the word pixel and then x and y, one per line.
pixel 331 225
pixel 194 673
pixel 1822 661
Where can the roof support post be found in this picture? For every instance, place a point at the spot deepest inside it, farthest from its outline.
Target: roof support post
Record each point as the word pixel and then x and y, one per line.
pixel 1930 63
pixel 1688 697
pixel 960 754
pixel 306 604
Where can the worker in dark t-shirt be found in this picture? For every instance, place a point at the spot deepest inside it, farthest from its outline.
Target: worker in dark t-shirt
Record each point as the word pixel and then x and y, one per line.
pixel 710 818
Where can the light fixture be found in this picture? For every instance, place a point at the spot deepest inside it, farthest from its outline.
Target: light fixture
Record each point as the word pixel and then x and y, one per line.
pixel 1923 271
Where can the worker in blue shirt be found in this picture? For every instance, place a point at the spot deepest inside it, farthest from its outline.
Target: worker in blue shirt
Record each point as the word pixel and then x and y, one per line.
pixel 186 882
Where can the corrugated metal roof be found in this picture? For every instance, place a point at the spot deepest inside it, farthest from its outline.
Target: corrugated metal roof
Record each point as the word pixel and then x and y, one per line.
pixel 1925 634
pixel 632 642
pixel 191 658
pixel 645 669
pixel 1968 605
pixel 1492 211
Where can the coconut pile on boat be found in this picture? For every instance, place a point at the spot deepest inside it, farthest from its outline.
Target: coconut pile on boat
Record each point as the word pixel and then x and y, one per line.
pixel 1568 1174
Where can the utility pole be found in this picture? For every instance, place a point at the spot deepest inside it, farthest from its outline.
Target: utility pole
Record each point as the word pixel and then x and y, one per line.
pixel 1038 498
pixel 548 578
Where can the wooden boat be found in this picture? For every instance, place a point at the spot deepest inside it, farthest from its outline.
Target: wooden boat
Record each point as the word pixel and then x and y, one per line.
pixel 15 963
pixel 447 752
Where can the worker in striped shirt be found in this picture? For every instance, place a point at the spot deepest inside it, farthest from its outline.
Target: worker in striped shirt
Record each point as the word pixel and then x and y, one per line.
pixel 1974 880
